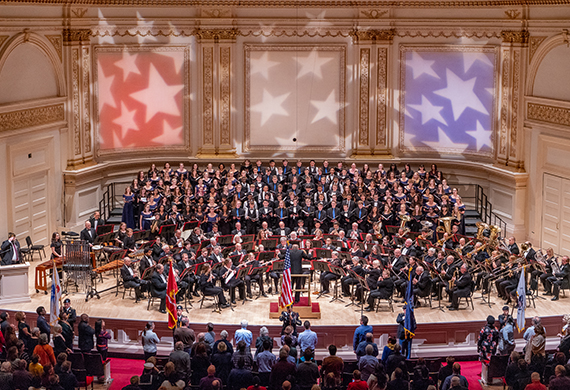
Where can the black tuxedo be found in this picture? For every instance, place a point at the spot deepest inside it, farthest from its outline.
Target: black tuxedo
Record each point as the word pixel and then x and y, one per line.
pixel 282 232
pixel 384 290
pixel 514 249
pixel 145 263
pixel 131 281
pixel 462 288
pixel 241 231
pixel 159 284
pixel 95 223
pixel 423 285
pixel 8 252
pixel 88 235
pixel 296 256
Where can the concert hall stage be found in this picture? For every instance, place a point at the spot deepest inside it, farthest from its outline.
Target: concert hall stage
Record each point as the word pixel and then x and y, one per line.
pixel 443 332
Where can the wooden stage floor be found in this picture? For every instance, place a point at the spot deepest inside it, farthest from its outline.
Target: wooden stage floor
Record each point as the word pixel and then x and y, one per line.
pixel 257 311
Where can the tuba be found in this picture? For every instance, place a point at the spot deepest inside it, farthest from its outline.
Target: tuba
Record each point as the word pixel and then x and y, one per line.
pixel 404 218
pixel 426 225
pixel 494 235
pixel 447 223
pixel 481 227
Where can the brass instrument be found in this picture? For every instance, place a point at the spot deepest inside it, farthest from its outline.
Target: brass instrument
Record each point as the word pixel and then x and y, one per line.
pixel 377 228
pixel 446 223
pixel 451 281
pixel 427 225
pixel 493 237
pixel 405 219
pixel 441 242
pixel 481 227
pixel 474 251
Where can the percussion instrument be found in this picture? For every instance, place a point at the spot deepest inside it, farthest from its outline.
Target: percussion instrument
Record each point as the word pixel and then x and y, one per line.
pixel 41 274
pixel 115 264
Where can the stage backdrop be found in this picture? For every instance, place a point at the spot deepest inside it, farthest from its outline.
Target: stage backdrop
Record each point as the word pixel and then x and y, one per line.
pixel 140 94
pixel 295 92
pixel 447 100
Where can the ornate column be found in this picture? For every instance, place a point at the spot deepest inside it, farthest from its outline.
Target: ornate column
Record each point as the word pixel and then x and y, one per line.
pixel 77 57
pixel 216 92
pixel 510 137
pixel 372 136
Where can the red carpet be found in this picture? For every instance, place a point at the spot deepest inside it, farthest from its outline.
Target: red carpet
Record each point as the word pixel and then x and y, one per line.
pixel 123 369
pixel 303 301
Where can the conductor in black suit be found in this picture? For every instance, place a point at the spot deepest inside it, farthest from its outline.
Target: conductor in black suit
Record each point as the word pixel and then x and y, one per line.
pixel 130 279
pixel 296 255
pixel 88 234
pixel 159 284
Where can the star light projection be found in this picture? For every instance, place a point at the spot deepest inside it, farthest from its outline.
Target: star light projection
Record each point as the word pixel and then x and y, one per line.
pixel 448 100
pixel 295 93
pixel 140 98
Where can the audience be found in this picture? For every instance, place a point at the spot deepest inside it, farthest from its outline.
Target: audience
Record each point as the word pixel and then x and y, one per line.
pixel 368 363
pixel 240 376
pixel 281 370
pixel 307 371
pixel 307 338
pixel 207 382
pixel 222 361
pixel 334 365
pixel 357 382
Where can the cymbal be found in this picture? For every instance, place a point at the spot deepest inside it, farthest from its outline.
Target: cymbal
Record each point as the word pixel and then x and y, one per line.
pixel 141 242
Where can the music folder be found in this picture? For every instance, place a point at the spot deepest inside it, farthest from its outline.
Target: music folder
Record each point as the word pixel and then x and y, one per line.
pixel 148 272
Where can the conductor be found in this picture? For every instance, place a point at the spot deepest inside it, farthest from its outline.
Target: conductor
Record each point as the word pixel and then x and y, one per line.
pixel 296 255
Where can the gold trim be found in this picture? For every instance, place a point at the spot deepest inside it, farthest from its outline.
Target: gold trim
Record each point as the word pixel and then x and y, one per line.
pixel 549 114
pixel 502 153
pixel 79 12
pixel 208 98
pixel 75 100
pixel 382 102
pixel 515 36
pixel 515 103
pixel 3 39
pixel 216 13
pixel 533 44
pixel 57 43
pixel 374 13
pixel 225 95
pixel 86 98
pixel 361 36
pixel 364 101
pixel 226 34
pixel 76 35
pixel 513 13
pixel 20 119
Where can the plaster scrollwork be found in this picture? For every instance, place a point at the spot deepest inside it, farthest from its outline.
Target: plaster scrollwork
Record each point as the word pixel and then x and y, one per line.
pixel 225 95
pixel 513 13
pixel 533 44
pixel 38 116
pixel 75 100
pixel 57 43
pixel 3 39
pixel 372 35
pixel 550 114
pixel 216 13
pixel 85 59
pixel 448 33
pixel 79 12
pixel 217 34
pixel 208 98
pixel 509 36
pixel 373 13
pixel 515 103
pixel 364 96
pixel 76 35
pixel 382 83
pixel 504 104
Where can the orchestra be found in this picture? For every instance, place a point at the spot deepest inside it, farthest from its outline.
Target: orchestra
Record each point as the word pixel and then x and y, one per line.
pixel 377 232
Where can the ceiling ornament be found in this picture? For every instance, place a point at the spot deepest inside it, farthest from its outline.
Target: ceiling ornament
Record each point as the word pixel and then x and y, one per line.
pixel 361 36
pixel 515 36
pixel 373 13
pixel 76 35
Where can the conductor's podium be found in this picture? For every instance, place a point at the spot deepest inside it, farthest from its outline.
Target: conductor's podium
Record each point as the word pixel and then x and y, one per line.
pixel 305 308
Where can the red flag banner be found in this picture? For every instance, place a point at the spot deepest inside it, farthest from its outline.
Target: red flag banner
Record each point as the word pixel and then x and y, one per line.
pixel 171 291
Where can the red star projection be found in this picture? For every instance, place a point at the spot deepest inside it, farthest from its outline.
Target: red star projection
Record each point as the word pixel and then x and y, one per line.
pixel 140 99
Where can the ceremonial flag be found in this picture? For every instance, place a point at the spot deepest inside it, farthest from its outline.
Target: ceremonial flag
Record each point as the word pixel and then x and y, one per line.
pixel 521 300
pixel 171 291
pixel 286 297
pixel 410 320
pixel 55 297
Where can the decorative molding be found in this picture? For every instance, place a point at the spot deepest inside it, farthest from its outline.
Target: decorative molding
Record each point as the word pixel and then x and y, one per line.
pixel 32 117
pixel 382 96
pixel 515 103
pixel 359 36
pixel 216 13
pixel 509 36
pixel 79 12
pixel 225 95
pixel 76 35
pixel 550 114
pixel 448 33
pixel 373 13
pixel 75 100
pixel 533 44
pixel 513 13
pixel 208 98
pixel 364 99
pixel 86 95
pixel 310 3
pixel 217 34
pixel 3 39
pixel 503 130
pixel 57 43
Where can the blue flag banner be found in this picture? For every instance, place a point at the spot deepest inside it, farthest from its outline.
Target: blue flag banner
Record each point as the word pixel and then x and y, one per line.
pixel 410 320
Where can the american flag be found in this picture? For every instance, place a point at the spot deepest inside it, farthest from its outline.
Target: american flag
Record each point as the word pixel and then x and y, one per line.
pixel 286 297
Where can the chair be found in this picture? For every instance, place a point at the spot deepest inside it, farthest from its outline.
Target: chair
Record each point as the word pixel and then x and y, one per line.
pixel 79 370
pixel 35 248
pixel 152 294
pixel 26 251
pixel 389 300
pixel 215 299
pixel 469 298
pixel 94 364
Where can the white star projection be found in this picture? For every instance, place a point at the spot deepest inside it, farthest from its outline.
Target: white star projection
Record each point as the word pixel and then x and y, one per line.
pixel 461 93
pixel 128 64
pixel 105 93
pixel 166 103
pixel 270 105
pixel 262 65
pixel 482 136
pixel 470 58
pixel 126 120
pixel 428 111
pixel 312 64
pixel 327 109
pixel 169 136
pixel 420 66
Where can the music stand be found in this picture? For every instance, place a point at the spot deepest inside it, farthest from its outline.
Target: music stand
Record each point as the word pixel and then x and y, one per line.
pixel 400 241
pixel 242 273
pixel 190 225
pixel 365 289
pixel 269 244
pixel 104 229
pixel 323 253
pixel 255 271
pixel 200 267
pixel 247 238
pixel 265 256
pixel 278 265
pixel 227 250
pixel 338 271
pixel 225 240
pixel 247 246
pixel 392 229
pixel 344 256
pixel 167 231
pixel 354 276
pixel 321 266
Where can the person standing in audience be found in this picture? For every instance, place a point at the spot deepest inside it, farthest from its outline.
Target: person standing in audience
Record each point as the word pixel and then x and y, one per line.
pixel 368 364
pixel 398 383
pixel 86 333
pixel 360 332
pixel 332 364
pixel 281 370
pixel 222 360
pixel 307 338
pixel 456 371
pixel 207 382
pixel 307 371
pixel 149 340
pixel 243 334
pixel 265 361
pixel 181 360
pixel 42 322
